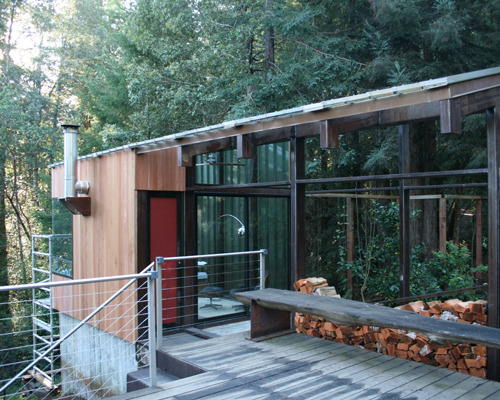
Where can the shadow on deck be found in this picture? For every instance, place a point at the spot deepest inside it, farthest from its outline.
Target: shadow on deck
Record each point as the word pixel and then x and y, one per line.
pixel 296 366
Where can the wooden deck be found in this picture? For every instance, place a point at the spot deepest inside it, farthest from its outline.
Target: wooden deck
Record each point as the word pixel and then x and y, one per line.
pixel 301 367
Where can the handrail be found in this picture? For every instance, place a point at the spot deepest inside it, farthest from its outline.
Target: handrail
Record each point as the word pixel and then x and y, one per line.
pixel 55 235
pixel 236 253
pixel 142 274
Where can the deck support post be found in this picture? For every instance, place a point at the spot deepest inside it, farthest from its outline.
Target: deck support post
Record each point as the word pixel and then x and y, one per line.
pixel 268 322
pixel 297 209
pixel 442 223
pixel 404 213
pixel 190 272
pixel 493 127
pixel 350 243
pixel 479 233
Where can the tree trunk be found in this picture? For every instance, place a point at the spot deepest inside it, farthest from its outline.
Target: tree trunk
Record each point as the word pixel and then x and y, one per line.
pixel 4 276
pixel 269 39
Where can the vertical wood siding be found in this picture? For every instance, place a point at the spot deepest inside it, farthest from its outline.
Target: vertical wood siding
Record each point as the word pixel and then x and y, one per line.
pixel 104 243
pixel 158 170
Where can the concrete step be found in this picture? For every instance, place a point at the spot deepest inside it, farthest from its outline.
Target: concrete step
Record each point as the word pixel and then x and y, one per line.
pixel 139 379
pixel 169 368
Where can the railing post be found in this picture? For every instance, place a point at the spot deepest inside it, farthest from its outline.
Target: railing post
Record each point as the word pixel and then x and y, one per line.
pixel 159 303
pixel 151 328
pixel 262 258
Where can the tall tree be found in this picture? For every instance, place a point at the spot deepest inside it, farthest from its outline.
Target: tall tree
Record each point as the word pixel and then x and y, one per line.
pixel 148 68
pixel 26 136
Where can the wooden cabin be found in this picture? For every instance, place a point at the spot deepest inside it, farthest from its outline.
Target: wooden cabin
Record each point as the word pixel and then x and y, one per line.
pixel 160 196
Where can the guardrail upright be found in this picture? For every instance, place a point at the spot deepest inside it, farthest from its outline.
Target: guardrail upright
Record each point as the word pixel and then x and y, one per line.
pixel 159 303
pixel 152 325
pixel 262 260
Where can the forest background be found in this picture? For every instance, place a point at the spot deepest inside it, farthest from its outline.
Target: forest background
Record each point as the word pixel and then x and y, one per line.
pixel 134 70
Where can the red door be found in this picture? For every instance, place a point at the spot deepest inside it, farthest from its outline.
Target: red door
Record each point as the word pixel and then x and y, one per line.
pixel 163 243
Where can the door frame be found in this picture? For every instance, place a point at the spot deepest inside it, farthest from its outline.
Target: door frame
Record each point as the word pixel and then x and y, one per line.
pixel 143 242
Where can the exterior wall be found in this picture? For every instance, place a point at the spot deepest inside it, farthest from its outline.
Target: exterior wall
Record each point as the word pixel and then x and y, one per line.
pixel 57 181
pixel 158 170
pixel 94 363
pixel 104 243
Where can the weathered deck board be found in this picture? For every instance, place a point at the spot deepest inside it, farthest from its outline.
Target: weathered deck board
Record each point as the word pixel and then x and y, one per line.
pixel 257 369
pixel 298 366
pixel 435 389
pixel 490 388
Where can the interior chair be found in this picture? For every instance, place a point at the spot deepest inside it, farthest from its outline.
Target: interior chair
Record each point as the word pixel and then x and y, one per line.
pixel 211 292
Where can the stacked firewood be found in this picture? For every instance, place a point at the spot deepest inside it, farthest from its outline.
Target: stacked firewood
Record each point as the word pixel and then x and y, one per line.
pixel 465 358
pixel 317 286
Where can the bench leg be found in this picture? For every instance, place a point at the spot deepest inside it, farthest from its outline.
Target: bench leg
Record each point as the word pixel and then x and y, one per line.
pixel 266 321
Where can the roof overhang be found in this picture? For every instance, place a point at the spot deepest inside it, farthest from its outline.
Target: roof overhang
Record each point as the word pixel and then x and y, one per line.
pixel 447 98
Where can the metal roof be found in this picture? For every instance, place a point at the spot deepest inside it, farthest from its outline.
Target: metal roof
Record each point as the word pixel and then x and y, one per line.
pixel 176 138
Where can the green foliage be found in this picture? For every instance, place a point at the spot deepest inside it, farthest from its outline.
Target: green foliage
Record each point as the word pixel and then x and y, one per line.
pixel 151 68
pixel 452 266
pixel 375 270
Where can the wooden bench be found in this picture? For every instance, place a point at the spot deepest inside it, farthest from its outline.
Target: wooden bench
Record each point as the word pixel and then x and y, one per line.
pixel 271 313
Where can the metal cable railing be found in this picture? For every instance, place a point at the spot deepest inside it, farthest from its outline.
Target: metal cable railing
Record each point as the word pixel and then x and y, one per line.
pixel 104 335
pixel 200 288
pixel 84 333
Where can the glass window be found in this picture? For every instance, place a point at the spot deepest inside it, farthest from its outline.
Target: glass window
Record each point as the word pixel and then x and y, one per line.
pixel 234 224
pixel 271 164
pixel 62 240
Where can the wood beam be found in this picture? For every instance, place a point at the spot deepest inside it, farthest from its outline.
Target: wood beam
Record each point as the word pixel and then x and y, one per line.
pixel 478 102
pixel 240 191
pixel 448 110
pixel 404 213
pixel 493 128
pixel 479 232
pixel 190 308
pixel 350 242
pixel 353 123
pixel 442 223
pixel 329 130
pixel 297 209
pixel 451 116
pixel 244 146
pixel 308 130
pixel 410 113
pixel 328 137
pixel 272 136
pixel 185 154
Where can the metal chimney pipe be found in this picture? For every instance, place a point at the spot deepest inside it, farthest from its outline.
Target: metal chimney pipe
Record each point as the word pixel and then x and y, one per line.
pixel 70 155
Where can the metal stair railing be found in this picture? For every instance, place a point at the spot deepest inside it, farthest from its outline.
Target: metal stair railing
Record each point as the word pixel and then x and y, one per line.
pixel 43 331
pixel 149 273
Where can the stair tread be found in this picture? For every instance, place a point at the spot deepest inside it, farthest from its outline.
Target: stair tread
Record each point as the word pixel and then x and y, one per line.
pixel 140 378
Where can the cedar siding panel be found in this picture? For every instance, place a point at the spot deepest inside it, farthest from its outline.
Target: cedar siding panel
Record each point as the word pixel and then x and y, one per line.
pixel 57 181
pixel 159 171
pixel 104 243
